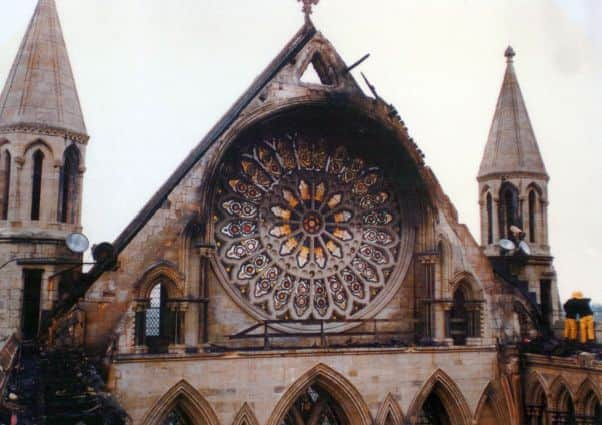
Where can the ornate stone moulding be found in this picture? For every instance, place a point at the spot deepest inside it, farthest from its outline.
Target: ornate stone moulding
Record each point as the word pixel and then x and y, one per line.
pixel 38 129
pixel 309 227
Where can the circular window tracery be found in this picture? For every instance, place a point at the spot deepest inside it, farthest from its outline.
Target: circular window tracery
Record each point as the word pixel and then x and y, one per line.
pixel 305 230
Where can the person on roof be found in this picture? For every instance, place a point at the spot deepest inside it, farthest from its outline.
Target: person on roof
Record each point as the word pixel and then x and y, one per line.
pixel 570 321
pixel 586 318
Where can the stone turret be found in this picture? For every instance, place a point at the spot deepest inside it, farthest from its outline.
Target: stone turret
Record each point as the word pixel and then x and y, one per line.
pixel 512 177
pixel 42 150
pixel 513 191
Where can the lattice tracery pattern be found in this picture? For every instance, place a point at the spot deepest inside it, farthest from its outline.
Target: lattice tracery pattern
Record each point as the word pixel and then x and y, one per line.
pixel 314 407
pixel 306 230
pixel 176 417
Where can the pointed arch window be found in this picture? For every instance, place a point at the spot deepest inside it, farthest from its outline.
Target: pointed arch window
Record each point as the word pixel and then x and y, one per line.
pixel 591 412
pixel 532 216
pixel 6 171
pixel 159 323
pixel 177 417
pixel 315 407
pixel 537 406
pixel 465 316
pixel 443 251
pixel 565 414
pixel 509 209
pixel 433 412
pixel 68 190
pixel 489 219
pixel 36 184
pixel 153 313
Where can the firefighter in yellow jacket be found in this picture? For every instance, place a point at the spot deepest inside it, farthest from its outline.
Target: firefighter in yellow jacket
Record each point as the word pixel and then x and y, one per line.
pixel 570 321
pixel 586 318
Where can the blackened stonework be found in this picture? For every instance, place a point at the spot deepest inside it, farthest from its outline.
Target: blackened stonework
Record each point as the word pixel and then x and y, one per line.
pixel 302 266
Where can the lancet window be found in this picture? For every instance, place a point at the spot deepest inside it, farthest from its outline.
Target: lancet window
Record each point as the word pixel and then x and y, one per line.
pixel 36 184
pixel 177 417
pixel 465 316
pixel 315 407
pixel 5 188
pixel 68 190
pixel 565 413
pixel 532 216
pixel 489 203
pixel 159 320
pixel 433 412
pixel 509 209
pixel 536 407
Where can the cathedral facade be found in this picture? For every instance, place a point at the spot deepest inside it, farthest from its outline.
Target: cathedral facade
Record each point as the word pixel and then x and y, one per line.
pixel 301 266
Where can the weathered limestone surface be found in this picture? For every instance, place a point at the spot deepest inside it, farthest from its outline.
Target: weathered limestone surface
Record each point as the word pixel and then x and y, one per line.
pixel 173 241
pixel 261 380
pixel 39 113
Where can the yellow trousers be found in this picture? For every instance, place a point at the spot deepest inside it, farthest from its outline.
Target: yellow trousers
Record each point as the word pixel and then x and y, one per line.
pixel 570 329
pixel 586 329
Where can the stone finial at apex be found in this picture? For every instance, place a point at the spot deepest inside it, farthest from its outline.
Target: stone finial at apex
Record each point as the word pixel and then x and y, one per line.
pixel 510 53
pixel 308 6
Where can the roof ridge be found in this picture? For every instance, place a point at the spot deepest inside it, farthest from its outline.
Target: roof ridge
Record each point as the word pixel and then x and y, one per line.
pixel 301 38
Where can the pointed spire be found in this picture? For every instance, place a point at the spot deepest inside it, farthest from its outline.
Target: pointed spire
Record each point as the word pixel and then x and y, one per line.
pixel 40 92
pixel 511 146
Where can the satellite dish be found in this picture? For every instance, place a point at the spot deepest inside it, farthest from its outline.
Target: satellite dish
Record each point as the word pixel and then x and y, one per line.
pixel 524 247
pixel 77 242
pixel 507 244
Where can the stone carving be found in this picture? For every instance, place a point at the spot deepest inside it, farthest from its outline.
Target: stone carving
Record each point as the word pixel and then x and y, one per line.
pixel 305 230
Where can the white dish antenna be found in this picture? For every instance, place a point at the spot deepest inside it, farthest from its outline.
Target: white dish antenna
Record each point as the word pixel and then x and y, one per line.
pixel 524 247
pixel 77 242
pixel 507 244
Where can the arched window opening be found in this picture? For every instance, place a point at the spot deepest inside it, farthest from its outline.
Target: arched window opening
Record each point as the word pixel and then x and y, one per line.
pixel 433 412
pixel 465 317
pixel 459 319
pixel 177 417
pixel 565 415
pixel 487 415
pixel 6 184
pixel 489 219
pixel 153 313
pixel 159 321
pixel 443 250
pixel 532 216
pixel 68 190
pixel 537 407
pixel 36 184
pixel 591 410
pixel 509 209
pixel 315 407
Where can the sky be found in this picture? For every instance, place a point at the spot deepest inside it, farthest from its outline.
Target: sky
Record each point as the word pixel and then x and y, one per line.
pixel 154 76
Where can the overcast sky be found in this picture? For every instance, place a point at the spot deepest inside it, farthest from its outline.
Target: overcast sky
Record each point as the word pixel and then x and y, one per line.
pixel 154 76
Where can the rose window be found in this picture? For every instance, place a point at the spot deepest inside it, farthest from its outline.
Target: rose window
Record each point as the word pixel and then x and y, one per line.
pixel 305 230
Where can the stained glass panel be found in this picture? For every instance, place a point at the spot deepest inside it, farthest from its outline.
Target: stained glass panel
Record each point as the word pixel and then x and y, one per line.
pixel 153 313
pixel 312 404
pixel 306 230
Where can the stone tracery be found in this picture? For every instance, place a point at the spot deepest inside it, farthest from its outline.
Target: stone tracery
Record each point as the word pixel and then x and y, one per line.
pixel 305 229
